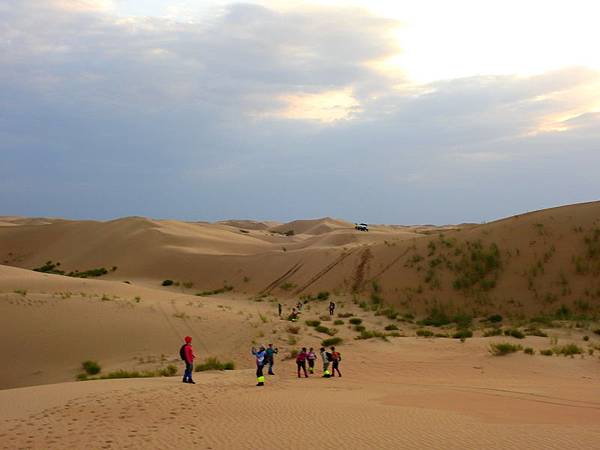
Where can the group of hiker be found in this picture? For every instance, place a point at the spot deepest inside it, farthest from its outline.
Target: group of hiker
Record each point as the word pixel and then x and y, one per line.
pixel 265 357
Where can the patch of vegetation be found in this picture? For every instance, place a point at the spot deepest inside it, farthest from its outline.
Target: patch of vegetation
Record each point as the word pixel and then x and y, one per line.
pixel 168 371
pixel 424 332
pixel 437 318
pixel 167 283
pixel 478 267
pixel 287 286
pixel 338 322
pixel 358 321
pixel 213 363
pixel 323 295
pixel 503 348
pixel 313 323
pixel 529 351
pixel 88 273
pixel 22 292
pixel 462 320
pixel 462 334
pixel 222 290
pixel 492 332
pixel 91 367
pixel 514 332
pixel 360 328
pixel 547 352
pixel 568 350
pixel 50 267
pixel 532 331
pixel 494 318
pixel 331 341
pixel 369 334
pixel 391 327
pixel 325 330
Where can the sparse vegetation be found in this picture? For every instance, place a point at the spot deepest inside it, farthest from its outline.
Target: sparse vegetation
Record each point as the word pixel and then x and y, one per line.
pixel 91 367
pixel 287 286
pixel 424 332
pixel 513 332
pixel 293 329
pixel 437 318
pixel 338 322
pixel 462 334
pixel 391 327
pixel 529 351
pixel 358 321
pixel 225 288
pixel 331 341
pixel 324 295
pixel 492 332
pixel 568 350
pixel 369 334
pixel 313 323
pixel 494 318
pixel 546 352
pixel 503 348
pixel 213 363
pixel 167 283
pixel 325 330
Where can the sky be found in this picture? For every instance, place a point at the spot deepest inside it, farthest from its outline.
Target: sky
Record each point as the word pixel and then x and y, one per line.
pixel 372 111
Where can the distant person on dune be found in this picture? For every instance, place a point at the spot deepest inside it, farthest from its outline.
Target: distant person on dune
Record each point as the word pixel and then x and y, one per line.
pixel 301 362
pixel 311 357
pixel 270 357
pixel 336 357
pixel 260 355
pixel 280 308
pixel 331 308
pixel 187 355
pixel 325 358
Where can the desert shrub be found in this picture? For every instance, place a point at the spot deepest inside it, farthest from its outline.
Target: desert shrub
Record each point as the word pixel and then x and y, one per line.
pixel 390 313
pixel 529 351
pixel 345 315
pixel 437 318
pixel 546 352
pixel 462 320
pixel 478 266
pixel 88 273
pixel 597 331
pixel 324 295
pixel 586 338
pixel 293 329
pixel 563 313
pixel 331 341
pixel 532 331
pixel 50 267
pixel 424 333
pixel 492 332
pixel 313 323
pixel 568 350
pixel 503 348
pixel 355 321
pixel 188 284
pixel 513 332
pixel 359 328
pixel 462 334
pixel 22 292
pixel 167 283
pixel 368 334
pixel 91 367
pixel 168 371
pixel 225 288
pixel 322 329
pixel 338 322
pixel 213 363
pixel 441 335
pixel 391 327
pixel 494 318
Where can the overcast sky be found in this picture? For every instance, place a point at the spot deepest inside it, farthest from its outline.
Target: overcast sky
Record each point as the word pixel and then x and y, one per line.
pixel 375 111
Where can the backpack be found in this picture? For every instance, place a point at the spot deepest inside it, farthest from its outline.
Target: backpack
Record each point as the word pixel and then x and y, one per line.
pixel 182 352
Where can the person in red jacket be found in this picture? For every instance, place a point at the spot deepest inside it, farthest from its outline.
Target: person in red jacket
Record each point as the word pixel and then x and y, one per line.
pixel 301 362
pixel 188 358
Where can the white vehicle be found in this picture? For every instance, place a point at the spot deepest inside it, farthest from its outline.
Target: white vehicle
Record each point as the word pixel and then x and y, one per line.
pixel 361 227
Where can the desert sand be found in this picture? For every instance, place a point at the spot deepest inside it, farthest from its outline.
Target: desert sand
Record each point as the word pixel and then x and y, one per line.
pixel 406 391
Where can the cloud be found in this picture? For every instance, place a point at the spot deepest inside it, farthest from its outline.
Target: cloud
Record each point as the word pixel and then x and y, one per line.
pixel 257 112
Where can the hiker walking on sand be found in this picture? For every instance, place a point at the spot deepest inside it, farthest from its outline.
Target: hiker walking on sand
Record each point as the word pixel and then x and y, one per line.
pixel 260 364
pixel 335 358
pixel 311 357
pixel 331 308
pixel 325 358
pixel 301 362
pixel 270 357
pixel 187 355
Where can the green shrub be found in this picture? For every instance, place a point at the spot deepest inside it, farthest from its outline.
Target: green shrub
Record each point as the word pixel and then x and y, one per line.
pixel 513 332
pixel 50 267
pixel 532 331
pixel 331 341
pixel 323 296
pixel 167 283
pixel 586 338
pixel 391 327
pixel 213 363
pixel 168 371
pixel 597 331
pixel 436 318
pixel 568 350
pixel 359 328
pixel 338 322
pixel 547 352
pixel 367 334
pixel 225 288
pixel 492 332
pixel 441 335
pixel 313 323
pixel 91 367
pixel 355 321
pixel 462 334
pixel 529 351
pixel 424 333
pixel 463 320
pixel 88 273
pixel 128 374
pixel 503 348
pixel 494 318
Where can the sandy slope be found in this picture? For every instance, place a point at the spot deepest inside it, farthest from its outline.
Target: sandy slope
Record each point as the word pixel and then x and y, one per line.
pixel 411 394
